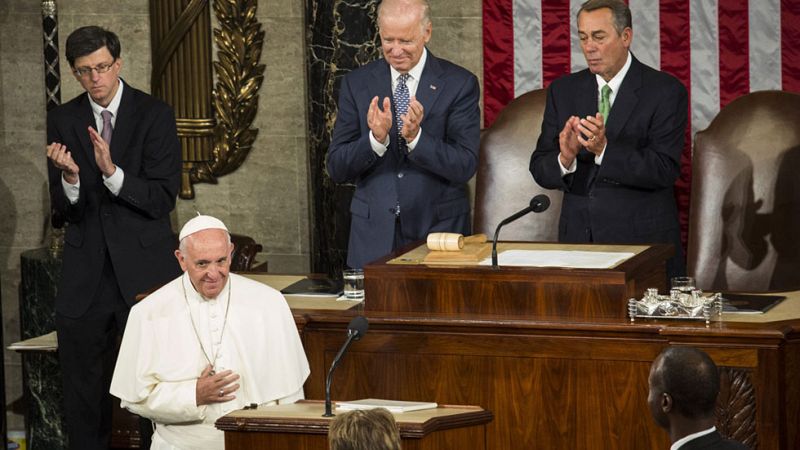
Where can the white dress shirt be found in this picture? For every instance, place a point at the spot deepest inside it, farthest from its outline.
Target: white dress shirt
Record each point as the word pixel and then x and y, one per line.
pixel 679 443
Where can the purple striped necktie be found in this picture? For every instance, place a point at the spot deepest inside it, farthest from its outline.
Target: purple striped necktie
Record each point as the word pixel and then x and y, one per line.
pixel 107 127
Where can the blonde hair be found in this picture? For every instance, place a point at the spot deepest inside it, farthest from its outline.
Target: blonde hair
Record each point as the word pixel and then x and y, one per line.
pixel 373 429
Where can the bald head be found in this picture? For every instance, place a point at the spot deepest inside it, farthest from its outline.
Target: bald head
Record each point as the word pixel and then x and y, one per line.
pixel 689 379
pixel 420 9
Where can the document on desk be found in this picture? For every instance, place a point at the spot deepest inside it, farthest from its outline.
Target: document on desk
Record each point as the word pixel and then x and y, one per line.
pixel 46 342
pixel 395 406
pixel 559 258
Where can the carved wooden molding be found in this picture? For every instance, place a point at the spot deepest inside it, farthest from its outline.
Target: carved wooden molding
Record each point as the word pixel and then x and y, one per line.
pixel 214 124
pixel 239 42
pixel 736 407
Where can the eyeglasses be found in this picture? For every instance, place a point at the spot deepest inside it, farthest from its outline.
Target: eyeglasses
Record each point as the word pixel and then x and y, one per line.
pixel 84 72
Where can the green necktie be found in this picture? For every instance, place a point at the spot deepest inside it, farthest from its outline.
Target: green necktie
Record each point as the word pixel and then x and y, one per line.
pixel 605 103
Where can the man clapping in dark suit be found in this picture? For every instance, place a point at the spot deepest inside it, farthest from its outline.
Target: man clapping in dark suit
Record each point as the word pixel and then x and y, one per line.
pixel 114 165
pixel 612 138
pixel 407 134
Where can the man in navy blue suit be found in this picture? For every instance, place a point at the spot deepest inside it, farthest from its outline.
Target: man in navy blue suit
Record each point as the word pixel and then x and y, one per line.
pixel 683 389
pixel 612 138
pixel 114 165
pixel 407 135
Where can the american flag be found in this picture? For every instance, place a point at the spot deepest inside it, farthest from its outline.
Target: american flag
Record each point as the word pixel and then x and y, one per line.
pixel 719 49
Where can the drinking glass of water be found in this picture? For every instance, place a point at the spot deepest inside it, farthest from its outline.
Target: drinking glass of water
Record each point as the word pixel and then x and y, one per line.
pixel 683 284
pixel 353 284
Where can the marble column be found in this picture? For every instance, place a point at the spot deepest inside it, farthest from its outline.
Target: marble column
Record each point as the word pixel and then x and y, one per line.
pixel 41 374
pixel 341 36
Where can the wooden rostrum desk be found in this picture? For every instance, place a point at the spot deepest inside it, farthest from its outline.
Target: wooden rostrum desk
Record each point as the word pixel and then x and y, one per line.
pixel 551 353
pixel 300 426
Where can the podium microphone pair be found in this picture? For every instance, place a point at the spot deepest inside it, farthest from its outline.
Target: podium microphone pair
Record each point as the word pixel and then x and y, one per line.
pixel 538 204
pixel 355 330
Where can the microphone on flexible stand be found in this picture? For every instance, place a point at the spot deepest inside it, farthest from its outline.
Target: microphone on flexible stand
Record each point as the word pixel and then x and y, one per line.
pixel 355 330
pixel 538 204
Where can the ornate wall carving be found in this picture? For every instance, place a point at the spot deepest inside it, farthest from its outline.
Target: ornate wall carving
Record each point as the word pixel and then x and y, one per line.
pixel 736 407
pixel 214 125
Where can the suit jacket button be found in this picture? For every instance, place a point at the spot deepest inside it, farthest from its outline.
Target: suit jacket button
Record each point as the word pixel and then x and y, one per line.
pixel 400 175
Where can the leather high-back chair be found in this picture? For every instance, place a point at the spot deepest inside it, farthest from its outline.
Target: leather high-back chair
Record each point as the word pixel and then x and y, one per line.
pixel 504 184
pixel 245 249
pixel 745 206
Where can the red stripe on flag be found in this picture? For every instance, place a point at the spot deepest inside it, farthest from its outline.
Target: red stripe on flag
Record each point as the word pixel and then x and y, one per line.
pixel 676 56
pixel 555 40
pixel 498 57
pixel 790 45
pixel 734 50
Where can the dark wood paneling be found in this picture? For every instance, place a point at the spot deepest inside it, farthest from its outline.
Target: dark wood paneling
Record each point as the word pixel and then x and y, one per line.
pixel 558 384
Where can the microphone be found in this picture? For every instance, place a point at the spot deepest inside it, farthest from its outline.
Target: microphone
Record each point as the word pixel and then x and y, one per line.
pixel 538 204
pixel 355 330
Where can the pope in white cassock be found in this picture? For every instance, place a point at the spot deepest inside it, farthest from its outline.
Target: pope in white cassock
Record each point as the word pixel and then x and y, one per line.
pixel 205 344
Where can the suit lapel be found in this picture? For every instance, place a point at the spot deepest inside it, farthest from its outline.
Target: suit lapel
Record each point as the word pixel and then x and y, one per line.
pixel 123 128
pixel 587 105
pixel 84 118
pixel 626 100
pixel 430 85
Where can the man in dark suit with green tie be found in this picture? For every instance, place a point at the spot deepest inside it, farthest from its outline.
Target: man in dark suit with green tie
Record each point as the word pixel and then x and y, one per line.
pixel 114 164
pixel 612 138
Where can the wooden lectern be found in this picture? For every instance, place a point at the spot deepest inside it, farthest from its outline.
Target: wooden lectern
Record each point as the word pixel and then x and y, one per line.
pixel 301 427
pixel 403 284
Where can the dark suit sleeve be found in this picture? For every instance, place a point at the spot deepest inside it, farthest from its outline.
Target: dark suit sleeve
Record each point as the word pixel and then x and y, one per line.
pixel 654 163
pixel 59 203
pixel 544 164
pixel 350 153
pixel 453 156
pixel 153 189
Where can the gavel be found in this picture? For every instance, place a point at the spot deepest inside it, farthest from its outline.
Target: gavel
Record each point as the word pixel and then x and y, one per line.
pixel 453 242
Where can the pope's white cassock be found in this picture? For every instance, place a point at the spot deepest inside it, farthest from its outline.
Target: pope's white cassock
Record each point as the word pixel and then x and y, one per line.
pixel 161 357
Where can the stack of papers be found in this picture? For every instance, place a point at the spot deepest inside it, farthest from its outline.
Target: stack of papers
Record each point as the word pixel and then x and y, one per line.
pixel 560 258
pixel 395 406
